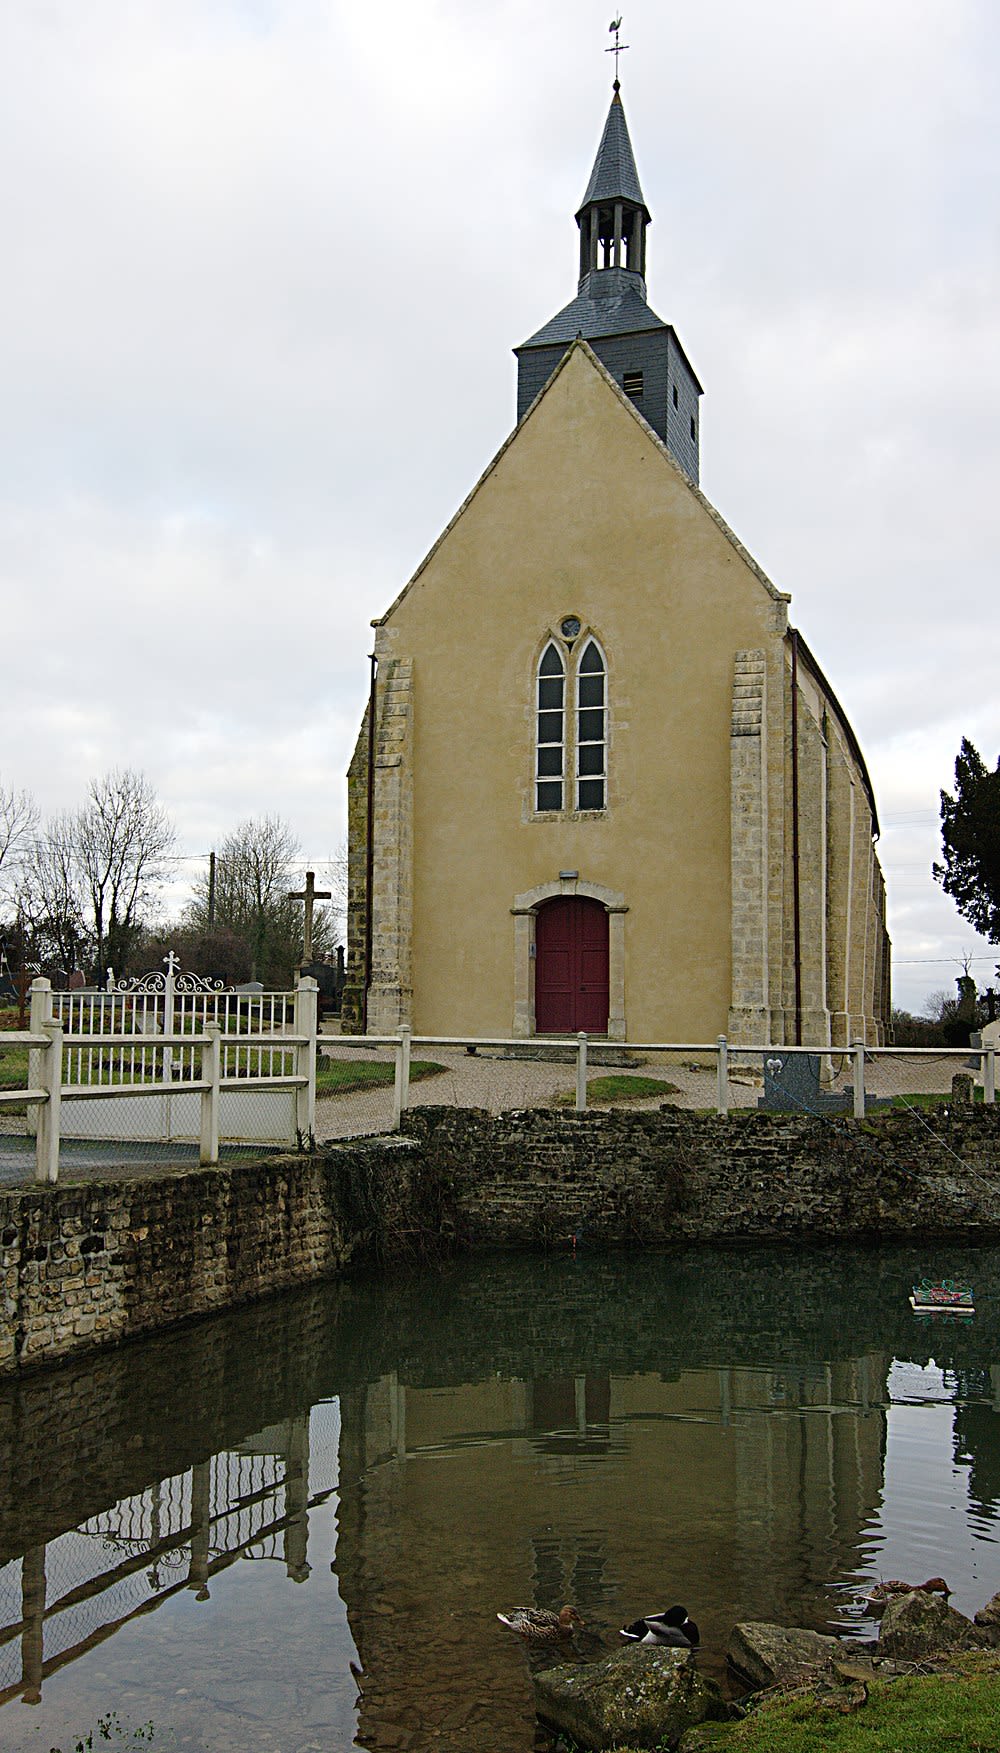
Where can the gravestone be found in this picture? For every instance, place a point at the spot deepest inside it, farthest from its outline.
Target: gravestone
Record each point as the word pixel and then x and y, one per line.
pixel 791 1083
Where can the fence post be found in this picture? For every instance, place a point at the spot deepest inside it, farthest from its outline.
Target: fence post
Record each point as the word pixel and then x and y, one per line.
pixel 858 1053
pixel 47 1137
pixel 306 1023
pixel 168 1020
pixel 211 1073
pixel 40 1013
pixel 401 1090
pixel 581 1072
pixel 990 1075
pixel 722 1068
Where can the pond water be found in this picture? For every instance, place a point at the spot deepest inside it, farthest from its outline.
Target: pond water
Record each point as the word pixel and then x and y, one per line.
pixel 209 1529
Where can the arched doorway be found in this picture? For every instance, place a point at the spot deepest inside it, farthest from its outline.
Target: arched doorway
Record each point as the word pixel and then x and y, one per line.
pixel 571 967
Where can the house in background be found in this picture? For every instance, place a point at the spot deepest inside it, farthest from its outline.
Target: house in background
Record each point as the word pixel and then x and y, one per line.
pixel 602 783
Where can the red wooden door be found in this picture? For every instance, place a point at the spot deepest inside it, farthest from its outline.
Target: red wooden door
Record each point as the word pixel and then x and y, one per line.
pixel 571 967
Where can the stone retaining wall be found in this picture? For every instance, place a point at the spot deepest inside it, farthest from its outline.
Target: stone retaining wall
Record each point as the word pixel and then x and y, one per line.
pixel 84 1265
pixel 90 1264
pixel 531 1178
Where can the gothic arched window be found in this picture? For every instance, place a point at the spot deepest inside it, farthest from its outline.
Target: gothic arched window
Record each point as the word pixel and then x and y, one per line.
pixel 550 759
pixel 591 729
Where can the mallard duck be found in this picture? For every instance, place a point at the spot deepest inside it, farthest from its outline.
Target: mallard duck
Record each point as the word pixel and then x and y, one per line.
pixel 538 1625
pixel 881 1594
pixel 672 1628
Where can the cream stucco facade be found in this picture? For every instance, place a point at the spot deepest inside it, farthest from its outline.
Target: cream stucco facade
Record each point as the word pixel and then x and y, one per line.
pixel 734 855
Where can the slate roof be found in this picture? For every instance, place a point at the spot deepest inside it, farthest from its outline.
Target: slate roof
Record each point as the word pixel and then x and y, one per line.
pixel 614 176
pixel 621 312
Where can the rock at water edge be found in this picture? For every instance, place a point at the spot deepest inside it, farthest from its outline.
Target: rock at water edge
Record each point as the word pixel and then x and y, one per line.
pixel 639 1697
pixel 768 1655
pixel 920 1624
pixel 989 1616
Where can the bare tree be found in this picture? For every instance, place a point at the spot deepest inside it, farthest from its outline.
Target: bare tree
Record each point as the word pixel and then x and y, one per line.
pixel 335 873
pixel 52 897
pixel 255 868
pixel 18 820
pixel 123 838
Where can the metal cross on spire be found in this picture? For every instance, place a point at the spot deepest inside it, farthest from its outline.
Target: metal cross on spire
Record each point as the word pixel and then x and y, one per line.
pixel 619 47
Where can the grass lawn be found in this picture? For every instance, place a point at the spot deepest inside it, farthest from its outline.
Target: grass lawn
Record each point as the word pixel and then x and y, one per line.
pixel 619 1087
pixel 334 1077
pixel 932 1099
pixel 931 1713
pixel 957 1712
pixel 13 1067
pixel 339 1077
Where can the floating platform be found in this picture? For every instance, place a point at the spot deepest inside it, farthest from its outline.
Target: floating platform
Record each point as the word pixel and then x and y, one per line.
pixel 945 1298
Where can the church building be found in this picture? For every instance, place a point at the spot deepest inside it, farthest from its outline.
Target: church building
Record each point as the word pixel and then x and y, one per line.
pixel 602 782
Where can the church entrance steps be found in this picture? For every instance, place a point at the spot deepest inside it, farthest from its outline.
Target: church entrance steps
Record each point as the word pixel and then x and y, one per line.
pixel 557 1053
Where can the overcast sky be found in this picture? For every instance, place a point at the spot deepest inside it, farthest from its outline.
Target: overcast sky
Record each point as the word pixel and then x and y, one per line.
pixel 263 266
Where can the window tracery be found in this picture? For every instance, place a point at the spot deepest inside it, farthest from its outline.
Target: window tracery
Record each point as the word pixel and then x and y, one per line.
pixel 571 764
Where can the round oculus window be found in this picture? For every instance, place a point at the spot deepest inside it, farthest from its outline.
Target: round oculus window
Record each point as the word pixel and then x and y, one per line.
pixel 570 627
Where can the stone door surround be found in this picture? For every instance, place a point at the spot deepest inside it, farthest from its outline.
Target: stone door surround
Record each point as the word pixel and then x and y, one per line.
pixel 524 912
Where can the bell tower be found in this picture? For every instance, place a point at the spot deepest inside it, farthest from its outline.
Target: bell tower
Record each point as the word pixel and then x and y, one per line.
pixel 610 311
pixel 613 215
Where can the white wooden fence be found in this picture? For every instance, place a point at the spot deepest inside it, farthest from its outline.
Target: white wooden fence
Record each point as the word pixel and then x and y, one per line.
pixel 721 1051
pixel 198 1065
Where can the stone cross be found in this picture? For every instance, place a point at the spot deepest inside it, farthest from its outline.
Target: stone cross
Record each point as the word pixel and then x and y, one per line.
pixel 309 894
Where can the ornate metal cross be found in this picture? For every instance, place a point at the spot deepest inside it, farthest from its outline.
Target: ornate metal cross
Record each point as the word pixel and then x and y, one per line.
pixel 309 894
pixel 619 48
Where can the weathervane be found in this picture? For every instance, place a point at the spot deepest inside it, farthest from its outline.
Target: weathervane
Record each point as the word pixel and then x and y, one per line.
pixel 619 48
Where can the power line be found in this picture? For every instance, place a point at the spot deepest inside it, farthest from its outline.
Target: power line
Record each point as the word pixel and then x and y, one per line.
pixel 940 961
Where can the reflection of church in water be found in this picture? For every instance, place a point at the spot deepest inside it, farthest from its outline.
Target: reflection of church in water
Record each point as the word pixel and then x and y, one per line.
pixel 609 1488
pixel 602 1432
pixel 722 1486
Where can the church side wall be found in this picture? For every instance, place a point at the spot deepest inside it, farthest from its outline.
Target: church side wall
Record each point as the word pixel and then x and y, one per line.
pixel 353 1000
pixel 812 808
pixel 843 812
pixel 749 1014
pixel 390 998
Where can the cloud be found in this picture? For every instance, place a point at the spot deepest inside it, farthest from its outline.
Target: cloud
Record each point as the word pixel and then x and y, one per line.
pixel 265 263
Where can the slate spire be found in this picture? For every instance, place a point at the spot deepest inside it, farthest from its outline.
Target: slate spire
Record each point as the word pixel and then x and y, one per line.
pixel 613 215
pixel 614 176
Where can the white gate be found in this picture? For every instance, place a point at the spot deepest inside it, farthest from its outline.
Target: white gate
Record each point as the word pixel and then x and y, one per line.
pixel 252 1108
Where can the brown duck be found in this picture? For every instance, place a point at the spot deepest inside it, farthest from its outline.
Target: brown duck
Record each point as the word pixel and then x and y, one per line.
pixel 538 1625
pixel 879 1596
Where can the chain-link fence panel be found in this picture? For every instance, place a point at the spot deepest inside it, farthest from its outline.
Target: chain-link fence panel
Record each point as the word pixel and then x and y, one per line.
pixel 923 1078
